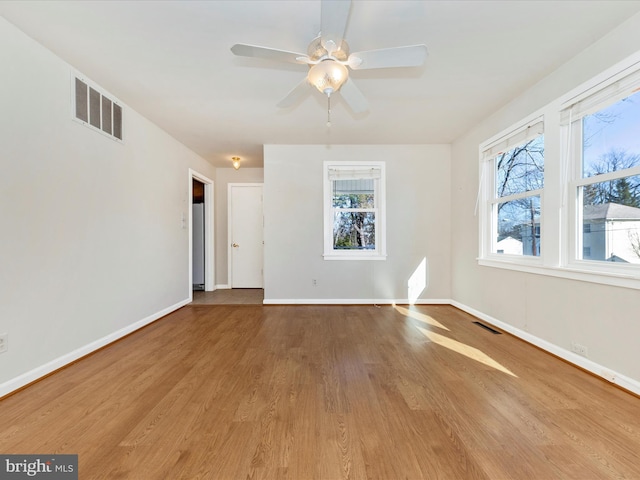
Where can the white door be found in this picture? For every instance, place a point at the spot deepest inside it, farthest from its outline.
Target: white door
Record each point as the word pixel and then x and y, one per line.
pixel 245 235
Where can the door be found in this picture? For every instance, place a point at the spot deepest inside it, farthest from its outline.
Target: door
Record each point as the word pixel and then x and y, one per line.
pixel 245 235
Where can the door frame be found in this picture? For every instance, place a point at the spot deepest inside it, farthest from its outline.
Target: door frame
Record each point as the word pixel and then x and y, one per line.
pixel 209 260
pixel 230 229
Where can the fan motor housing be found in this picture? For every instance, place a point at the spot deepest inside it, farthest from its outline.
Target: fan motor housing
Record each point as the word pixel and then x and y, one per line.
pixel 316 51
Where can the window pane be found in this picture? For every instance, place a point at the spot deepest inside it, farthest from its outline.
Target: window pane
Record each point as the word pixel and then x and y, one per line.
pixel 520 169
pixel 518 227
pixel 354 231
pixel 357 193
pixel 610 140
pixel 611 220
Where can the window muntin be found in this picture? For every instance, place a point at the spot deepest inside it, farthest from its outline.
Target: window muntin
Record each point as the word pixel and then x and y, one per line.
pixel 516 184
pixel 354 210
pixel 608 193
pixel 354 214
pixel 569 176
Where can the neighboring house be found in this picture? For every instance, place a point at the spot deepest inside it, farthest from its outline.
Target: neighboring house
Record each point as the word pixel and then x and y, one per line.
pixel 510 246
pixel 526 233
pixel 610 233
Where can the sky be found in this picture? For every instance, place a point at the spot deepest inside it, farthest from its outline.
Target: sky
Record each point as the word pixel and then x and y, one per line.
pixel 620 130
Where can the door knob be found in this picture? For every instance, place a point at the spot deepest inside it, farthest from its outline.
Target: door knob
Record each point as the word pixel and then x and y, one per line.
pixel 235 245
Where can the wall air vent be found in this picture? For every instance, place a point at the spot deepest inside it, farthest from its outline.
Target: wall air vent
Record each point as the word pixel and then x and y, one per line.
pixel 96 110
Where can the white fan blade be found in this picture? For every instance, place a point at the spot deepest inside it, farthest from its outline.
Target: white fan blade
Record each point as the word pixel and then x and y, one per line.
pixel 297 93
pixel 354 97
pixel 243 50
pixel 409 56
pixel 333 23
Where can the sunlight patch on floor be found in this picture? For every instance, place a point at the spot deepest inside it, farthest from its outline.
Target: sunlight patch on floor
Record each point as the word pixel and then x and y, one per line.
pixel 466 350
pixel 421 317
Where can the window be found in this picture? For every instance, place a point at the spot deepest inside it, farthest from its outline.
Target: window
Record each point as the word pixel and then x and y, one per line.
pixel 354 200
pixel 605 183
pixel 96 110
pixel 563 198
pixel 513 192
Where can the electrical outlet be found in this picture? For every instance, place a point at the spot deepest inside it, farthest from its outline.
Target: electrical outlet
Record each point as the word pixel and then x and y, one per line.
pixel 579 349
pixel 4 342
pixel 314 282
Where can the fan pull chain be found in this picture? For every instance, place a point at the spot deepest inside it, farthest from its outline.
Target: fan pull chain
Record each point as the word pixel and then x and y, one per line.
pixel 328 110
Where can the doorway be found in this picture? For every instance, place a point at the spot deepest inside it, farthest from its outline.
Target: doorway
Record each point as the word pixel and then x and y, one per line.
pixel 201 231
pixel 197 238
pixel 245 227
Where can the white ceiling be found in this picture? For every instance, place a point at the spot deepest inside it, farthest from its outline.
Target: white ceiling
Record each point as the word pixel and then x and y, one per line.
pixel 170 61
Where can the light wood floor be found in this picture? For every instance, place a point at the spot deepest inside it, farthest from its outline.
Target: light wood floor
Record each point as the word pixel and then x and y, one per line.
pixel 326 392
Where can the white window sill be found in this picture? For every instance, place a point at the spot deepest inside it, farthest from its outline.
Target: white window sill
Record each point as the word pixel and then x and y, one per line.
pixel 352 256
pixel 586 273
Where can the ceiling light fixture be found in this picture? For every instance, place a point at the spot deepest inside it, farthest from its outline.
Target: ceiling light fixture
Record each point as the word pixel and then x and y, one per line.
pixel 236 162
pixel 328 76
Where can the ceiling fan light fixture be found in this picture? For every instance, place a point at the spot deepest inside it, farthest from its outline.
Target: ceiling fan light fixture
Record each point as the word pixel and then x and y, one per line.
pixel 328 76
pixel 235 161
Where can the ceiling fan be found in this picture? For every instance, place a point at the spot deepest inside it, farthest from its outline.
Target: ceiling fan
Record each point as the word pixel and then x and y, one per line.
pixel 329 59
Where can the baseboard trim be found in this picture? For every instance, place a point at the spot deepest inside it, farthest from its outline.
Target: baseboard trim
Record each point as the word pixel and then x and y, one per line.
pixel 223 287
pixel 596 369
pixel 352 301
pixel 42 371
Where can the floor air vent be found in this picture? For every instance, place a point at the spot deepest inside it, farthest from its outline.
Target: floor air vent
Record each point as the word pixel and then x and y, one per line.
pixel 496 332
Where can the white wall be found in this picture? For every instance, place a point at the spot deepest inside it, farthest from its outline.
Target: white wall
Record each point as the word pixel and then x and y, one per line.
pixel 225 176
pixel 418 223
pixel 554 310
pixel 92 242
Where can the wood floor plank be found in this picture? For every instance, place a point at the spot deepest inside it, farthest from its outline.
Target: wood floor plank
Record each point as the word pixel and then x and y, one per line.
pixel 326 392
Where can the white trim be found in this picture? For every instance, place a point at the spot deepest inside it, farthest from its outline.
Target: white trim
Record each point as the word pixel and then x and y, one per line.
pixel 353 255
pixel 570 273
pixel 520 134
pixel 380 252
pixel 607 92
pixel 223 286
pixel 209 239
pixel 562 252
pixel 573 358
pixel 354 301
pixel 589 365
pixel 49 367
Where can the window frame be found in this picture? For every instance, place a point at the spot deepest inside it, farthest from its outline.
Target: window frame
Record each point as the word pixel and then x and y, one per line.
pixel 488 199
pixel 560 204
pixel 380 252
pixel 572 129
